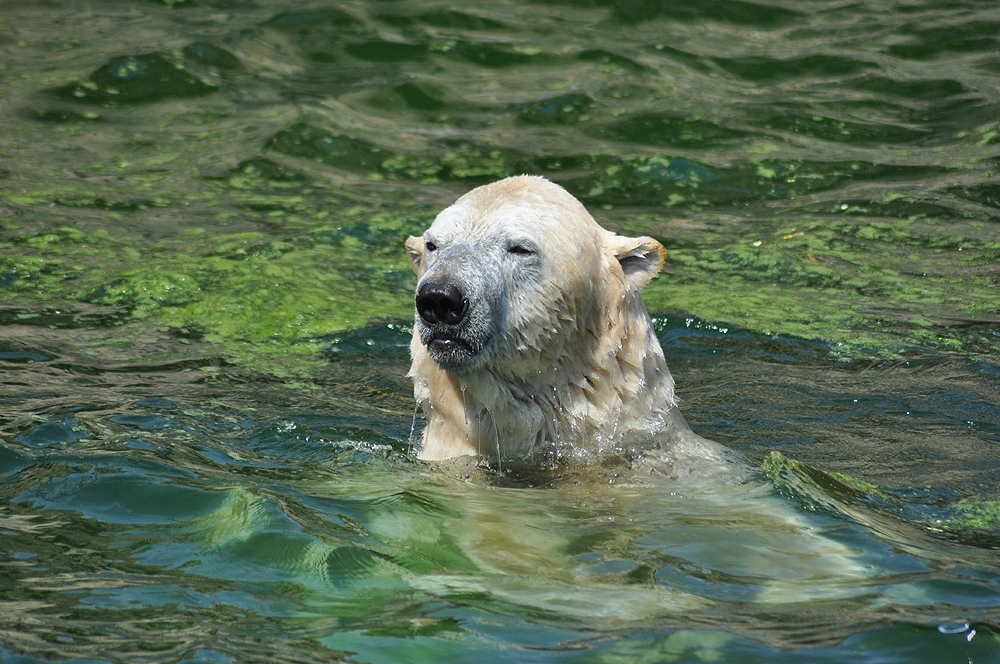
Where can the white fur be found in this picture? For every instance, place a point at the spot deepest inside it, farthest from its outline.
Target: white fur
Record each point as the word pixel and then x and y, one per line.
pixel 570 360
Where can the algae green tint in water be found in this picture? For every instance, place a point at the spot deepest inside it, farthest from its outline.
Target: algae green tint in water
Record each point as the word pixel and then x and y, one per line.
pixel 204 299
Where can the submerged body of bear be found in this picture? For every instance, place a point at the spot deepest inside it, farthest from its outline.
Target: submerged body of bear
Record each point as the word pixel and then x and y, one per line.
pixel 530 334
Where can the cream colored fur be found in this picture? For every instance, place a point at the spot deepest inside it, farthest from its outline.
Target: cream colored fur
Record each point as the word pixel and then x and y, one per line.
pixel 577 366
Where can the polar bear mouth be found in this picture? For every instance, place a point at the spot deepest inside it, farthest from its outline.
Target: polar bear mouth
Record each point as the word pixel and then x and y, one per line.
pixel 444 342
pixel 451 351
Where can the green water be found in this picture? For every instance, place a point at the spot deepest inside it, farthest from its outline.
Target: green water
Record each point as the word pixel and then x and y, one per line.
pixel 204 298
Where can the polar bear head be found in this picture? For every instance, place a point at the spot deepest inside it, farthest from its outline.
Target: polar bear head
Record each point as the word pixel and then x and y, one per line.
pixel 528 323
pixel 515 271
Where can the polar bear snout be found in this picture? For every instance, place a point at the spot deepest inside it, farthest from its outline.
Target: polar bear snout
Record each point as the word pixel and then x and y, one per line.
pixel 441 303
pixel 454 319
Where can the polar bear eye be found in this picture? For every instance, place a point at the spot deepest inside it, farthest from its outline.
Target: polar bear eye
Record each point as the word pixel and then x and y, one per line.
pixel 520 249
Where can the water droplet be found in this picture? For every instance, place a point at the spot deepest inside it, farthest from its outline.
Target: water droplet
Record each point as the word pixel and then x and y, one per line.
pixel 954 629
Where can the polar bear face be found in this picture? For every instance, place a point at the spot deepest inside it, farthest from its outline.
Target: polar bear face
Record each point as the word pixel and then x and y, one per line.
pixel 529 330
pixel 516 273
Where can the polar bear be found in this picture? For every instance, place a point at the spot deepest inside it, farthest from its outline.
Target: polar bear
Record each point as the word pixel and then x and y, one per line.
pixel 531 338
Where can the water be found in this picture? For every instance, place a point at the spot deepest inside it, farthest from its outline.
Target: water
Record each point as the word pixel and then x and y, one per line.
pixel 204 413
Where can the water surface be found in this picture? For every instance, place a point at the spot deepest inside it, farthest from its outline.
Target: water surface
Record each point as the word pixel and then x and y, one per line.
pixel 205 419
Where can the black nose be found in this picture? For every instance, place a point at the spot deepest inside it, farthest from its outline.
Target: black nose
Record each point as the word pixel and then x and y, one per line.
pixel 441 303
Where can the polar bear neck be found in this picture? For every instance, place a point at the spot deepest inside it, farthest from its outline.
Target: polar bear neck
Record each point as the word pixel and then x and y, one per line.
pixel 615 394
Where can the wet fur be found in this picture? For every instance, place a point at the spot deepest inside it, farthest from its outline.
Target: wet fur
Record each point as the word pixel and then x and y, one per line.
pixel 557 353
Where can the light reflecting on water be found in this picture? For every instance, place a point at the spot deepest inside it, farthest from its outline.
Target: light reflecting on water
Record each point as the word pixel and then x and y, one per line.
pixel 205 418
pixel 205 524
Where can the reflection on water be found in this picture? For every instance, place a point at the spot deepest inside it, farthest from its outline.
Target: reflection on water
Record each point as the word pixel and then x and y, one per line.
pixel 204 413
pixel 262 525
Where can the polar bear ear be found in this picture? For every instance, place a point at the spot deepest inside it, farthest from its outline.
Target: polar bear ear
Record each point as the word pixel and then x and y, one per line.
pixel 415 251
pixel 640 258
